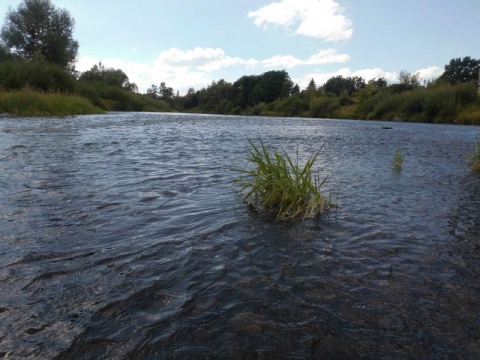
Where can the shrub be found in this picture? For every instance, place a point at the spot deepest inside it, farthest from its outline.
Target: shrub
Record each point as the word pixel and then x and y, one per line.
pixel 277 185
pixel 41 76
pixel 324 107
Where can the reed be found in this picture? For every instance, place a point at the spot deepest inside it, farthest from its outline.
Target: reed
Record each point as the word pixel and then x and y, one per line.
pixel 397 161
pixel 475 158
pixel 32 103
pixel 277 185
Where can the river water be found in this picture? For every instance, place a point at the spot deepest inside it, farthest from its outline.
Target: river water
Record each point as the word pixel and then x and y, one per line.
pixel 122 237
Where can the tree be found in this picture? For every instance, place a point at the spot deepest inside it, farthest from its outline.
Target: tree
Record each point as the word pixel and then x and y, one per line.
pixel 165 92
pixel 38 27
pixel 461 70
pixel 152 91
pixel 312 86
pixel 110 77
pixel 379 83
pixel 407 78
pixel 338 85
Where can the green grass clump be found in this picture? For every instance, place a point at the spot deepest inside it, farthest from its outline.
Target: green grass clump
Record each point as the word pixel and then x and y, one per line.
pixel 397 159
pixel 33 103
pixel 277 185
pixel 475 158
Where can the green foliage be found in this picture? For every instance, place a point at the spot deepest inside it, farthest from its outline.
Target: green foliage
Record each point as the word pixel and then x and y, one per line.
pixel 397 161
pixel 109 77
pixel 459 71
pixel 407 78
pixel 338 85
pixel 444 102
pixel 38 27
pixel 324 107
pixel 475 158
pixel 252 90
pixel 31 103
pixel 277 185
pixel 41 76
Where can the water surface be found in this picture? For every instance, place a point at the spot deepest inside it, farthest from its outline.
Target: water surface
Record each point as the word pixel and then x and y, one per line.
pixel 123 238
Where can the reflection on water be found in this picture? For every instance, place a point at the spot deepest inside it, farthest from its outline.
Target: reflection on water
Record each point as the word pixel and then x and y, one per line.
pixel 122 237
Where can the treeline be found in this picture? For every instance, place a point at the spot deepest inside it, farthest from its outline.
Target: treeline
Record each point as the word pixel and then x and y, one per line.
pixel 452 98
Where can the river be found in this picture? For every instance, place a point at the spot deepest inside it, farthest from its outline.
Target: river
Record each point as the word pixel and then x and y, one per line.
pixel 123 237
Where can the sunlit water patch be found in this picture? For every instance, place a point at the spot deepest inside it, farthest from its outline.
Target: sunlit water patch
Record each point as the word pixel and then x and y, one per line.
pixel 122 237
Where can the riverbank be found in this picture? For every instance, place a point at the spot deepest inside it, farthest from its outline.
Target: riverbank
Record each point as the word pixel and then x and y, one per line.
pixel 34 103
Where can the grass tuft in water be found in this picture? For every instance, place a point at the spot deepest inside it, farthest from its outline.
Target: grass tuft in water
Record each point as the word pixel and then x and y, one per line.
pixel 277 185
pixel 397 159
pixel 475 158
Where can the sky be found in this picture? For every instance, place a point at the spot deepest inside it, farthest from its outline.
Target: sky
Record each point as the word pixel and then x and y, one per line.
pixel 191 43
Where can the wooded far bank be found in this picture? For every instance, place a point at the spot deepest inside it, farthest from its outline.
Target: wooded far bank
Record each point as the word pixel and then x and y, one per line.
pixel 38 88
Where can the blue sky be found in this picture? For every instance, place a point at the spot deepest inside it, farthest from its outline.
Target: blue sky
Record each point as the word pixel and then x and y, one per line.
pixel 192 43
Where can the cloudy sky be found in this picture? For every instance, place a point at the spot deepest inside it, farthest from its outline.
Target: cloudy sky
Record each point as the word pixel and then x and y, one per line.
pixel 190 43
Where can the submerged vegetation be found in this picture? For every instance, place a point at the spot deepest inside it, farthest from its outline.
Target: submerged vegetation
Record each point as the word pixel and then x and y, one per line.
pixel 397 161
pixel 475 158
pixel 277 185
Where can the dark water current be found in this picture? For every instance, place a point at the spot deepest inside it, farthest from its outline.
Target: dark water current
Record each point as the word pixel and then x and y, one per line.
pixel 121 237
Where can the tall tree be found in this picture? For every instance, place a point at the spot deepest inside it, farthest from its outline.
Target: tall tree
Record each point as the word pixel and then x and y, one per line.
pixel 338 85
pixel 461 70
pixel 312 86
pixel 36 28
pixel 407 78
pixel 110 77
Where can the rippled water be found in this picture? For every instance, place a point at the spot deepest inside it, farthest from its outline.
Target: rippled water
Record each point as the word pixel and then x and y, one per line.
pixel 121 237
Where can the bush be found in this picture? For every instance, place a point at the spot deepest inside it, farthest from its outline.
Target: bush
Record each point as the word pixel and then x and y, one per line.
pixel 38 75
pixel 324 107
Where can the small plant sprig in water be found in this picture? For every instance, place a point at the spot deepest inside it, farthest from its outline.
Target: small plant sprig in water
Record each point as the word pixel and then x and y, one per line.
pixel 277 185
pixel 475 158
pixel 397 159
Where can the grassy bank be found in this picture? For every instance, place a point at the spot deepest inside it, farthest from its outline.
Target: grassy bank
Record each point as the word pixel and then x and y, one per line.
pixel 32 103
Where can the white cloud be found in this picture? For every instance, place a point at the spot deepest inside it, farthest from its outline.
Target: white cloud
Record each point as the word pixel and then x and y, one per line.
pixel 431 72
pixel 329 56
pixel 321 19
pixel 182 69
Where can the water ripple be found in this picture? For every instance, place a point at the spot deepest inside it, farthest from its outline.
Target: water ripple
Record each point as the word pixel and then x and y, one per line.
pixel 122 237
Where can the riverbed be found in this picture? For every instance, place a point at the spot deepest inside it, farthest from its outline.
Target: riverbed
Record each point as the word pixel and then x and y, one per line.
pixel 122 236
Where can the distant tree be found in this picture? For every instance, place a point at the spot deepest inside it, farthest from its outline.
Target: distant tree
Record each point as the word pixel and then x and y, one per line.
pixel 243 88
pixel 38 27
pixel 461 70
pixel 407 78
pixel 152 91
pixel 338 85
pixel 165 92
pixel 110 77
pixel 131 87
pixel 5 53
pixel 312 86
pixel 296 89
pixel 379 83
